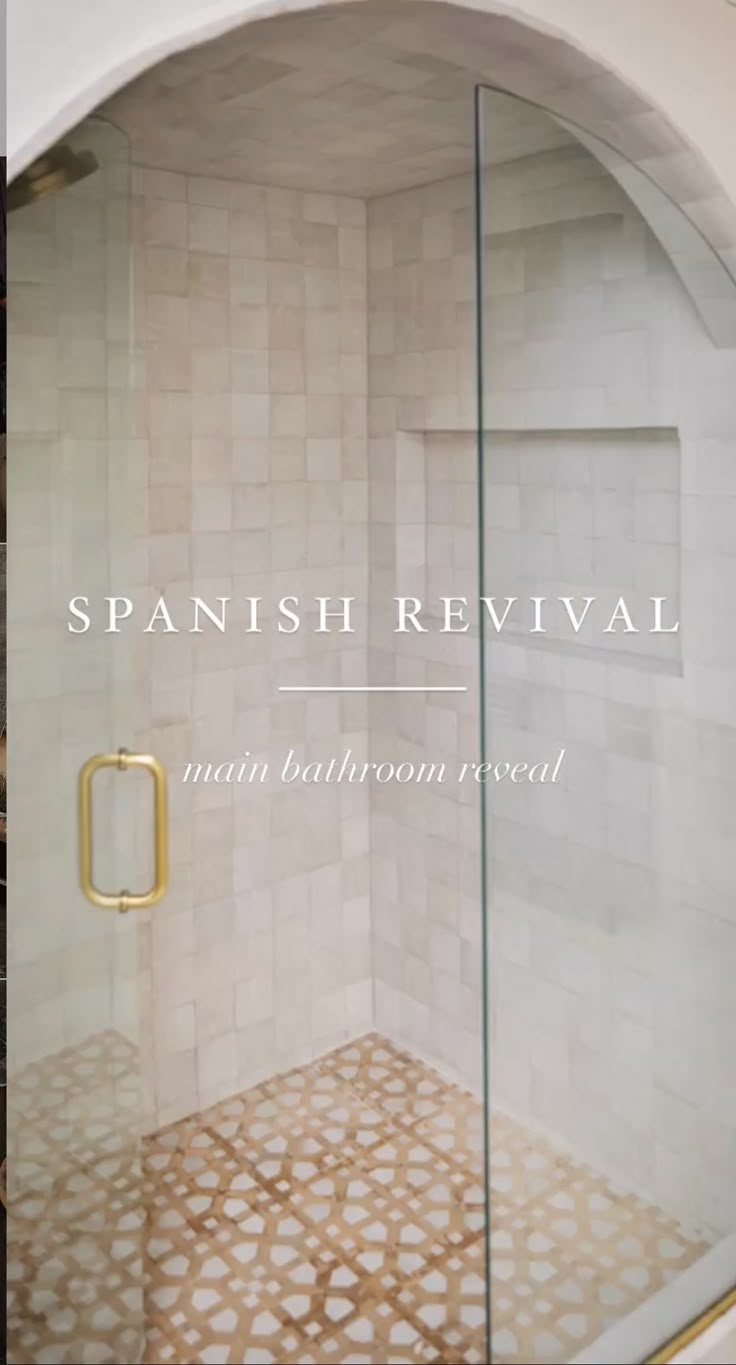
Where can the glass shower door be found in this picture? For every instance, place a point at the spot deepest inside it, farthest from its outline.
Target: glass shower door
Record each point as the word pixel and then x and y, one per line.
pixel 607 421
pixel 74 1122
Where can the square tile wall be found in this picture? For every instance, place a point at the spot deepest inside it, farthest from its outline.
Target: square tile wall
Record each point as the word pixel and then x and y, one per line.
pixel 611 896
pixel 73 493
pixel 251 303
pixel 274 455
pixel 73 486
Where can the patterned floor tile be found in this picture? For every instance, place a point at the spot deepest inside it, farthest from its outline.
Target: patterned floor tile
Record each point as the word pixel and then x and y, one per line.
pixel 333 1214
pixel 380 1161
pixel 76 1215
pixel 448 1301
pixel 403 1089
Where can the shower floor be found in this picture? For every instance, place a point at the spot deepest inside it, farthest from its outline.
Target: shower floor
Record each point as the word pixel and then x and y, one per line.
pixel 332 1214
pixel 336 1213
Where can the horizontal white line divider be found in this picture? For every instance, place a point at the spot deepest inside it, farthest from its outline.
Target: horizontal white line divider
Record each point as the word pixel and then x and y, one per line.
pixel 372 689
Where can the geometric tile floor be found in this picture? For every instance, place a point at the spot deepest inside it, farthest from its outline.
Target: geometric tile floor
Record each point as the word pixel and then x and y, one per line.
pixel 332 1214
pixel 76 1217
pixel 337 1213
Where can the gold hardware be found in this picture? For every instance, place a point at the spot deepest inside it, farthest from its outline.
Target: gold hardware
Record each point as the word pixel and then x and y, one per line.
pixel 57 169
pixel 123 900
pixel 694 1329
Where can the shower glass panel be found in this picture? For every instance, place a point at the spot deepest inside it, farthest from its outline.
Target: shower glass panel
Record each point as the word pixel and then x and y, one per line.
pixel 75 1226
pixel 607 428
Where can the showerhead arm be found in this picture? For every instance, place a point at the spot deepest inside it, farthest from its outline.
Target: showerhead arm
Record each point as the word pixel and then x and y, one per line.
pixel 56 170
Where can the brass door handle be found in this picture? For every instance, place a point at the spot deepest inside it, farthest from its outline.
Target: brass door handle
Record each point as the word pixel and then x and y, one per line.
pixel 123 900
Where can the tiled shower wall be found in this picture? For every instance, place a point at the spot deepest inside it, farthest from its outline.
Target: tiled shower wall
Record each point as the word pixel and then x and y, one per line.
pixel 609 460
pixel 425 839
pixel 253 349
pixel 72 489
pixel 611 897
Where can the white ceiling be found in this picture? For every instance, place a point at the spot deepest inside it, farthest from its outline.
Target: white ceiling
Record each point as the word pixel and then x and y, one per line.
pixel 352 100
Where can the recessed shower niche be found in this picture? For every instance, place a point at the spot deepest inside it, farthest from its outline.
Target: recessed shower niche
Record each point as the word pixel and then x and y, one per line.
pixel 583 550
pixel 393 1071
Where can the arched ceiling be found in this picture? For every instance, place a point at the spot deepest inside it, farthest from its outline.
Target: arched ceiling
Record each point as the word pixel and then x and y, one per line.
pixel 363 99
pixel 288 52
pixel 370 98
pixel 678 54
pixel 366 96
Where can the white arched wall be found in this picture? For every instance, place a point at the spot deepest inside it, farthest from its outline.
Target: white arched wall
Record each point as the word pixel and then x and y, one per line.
pixel 678 54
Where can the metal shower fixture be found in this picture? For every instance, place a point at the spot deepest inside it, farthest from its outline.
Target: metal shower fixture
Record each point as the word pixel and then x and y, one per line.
pixel 56 170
